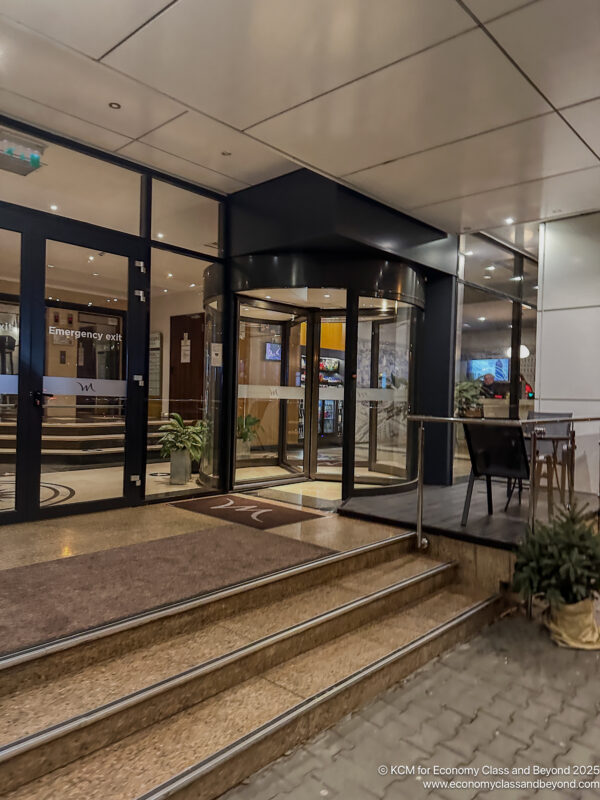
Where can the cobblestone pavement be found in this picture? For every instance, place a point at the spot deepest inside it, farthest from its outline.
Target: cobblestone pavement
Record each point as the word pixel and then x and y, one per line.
pixel 509 698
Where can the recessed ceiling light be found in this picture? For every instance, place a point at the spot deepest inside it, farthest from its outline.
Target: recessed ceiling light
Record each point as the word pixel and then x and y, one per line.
pixel 49 298
pixel 160 235
pixel 53 207
pixel 487 277
pixel 536 287
pixel 326 295
pixel 89 304
pixel 192 285
pixel 50 266
pixel 114 105
pixel 517 278
pixel 115 300
pixel 509 221
pixel 491 268
pixel 481 319
pixel 165 290
pixel 95 274
pixel 90 258
pixel 169 274
pixel 268 296
pixel 58 299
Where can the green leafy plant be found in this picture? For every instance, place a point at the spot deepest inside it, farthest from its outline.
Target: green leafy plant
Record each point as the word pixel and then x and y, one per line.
pixel 176 435
pixel 560 561
pixel 247 427
pixel 467 397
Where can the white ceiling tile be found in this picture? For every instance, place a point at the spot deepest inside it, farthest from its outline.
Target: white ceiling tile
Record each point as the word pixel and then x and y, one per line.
pixel 559 195
pixel 459 88
pixel 49 73
pixel 204 141
pixel 533 149
pixel 557 44
pixel 165 162
pixel 485 10
pixel 13 105
pixel 244 61
pixel 585 118
pixel 91 27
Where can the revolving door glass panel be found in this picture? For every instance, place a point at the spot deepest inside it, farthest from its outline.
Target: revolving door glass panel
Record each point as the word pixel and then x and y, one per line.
pixel 383 390
pixel 330 410
pixel 271 389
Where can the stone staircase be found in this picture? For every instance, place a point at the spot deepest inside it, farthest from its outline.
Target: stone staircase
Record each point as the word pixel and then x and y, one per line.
pixel 185 701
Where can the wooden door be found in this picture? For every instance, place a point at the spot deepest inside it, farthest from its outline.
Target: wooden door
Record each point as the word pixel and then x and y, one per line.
pixel 186 367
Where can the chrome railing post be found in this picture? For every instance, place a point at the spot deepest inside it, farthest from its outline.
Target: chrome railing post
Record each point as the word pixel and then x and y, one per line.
pixel 422 543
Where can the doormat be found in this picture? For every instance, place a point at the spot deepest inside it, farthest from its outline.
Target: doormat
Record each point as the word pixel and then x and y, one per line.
pixel 45 601
pixel 246 510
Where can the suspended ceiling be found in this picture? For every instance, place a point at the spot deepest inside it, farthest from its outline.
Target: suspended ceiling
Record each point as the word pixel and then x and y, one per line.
pixel 464 114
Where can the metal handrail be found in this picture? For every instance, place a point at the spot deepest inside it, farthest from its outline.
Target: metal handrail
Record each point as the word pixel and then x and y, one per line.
pixel 422 542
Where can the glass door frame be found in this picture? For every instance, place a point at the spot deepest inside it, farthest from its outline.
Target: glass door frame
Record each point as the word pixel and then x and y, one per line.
pixel 35 228
pixel 300 315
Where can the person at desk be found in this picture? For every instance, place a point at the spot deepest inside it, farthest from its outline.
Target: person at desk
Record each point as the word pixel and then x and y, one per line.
pixel 488 385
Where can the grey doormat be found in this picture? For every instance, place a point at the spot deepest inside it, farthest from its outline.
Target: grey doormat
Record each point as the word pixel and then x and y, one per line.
pixel 46 601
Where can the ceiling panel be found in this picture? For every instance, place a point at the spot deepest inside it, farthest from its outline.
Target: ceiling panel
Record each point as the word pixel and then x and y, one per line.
pixel 485 10
pixel 165 162
pixel 459 88
pixel 244 61
pixel 13 105
pixel 204 141
pixel 54 75
pixel 560 195
pixel 533 149
pixel 91 27
pixel 585 118
pixel 557 43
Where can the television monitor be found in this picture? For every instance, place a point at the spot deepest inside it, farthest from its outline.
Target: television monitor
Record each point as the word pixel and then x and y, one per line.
pixel 273 351
pixel 498 367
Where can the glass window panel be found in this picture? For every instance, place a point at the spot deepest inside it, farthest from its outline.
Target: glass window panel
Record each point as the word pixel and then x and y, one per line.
pixel 47 177
pixel 177 371
pixel 383 391
pixel 527 361
pixel 330 409
pixel 184 219
pixel 10 270
pixel 83 430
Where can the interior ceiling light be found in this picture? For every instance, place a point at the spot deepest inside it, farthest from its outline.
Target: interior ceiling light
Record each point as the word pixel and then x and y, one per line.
pixel 517 278
pixel 160 235
pixel 165 290
pixel 50 266
pixel 326 295
pixel 487 277
pixel 95 274
pixel 169 274
pixel 536 287
pixel 481 319
pixel 115 300
pixel 114 105
pixel 20 154
pixel 192 285
pixel 268 296
pixel 523 351
pixel 468 253
pixel 491 268
pixel 90 258
pixel 509 221
pixel 89 304
pixel 53 207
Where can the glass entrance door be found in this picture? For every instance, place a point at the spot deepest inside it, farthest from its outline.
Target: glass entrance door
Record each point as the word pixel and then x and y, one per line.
pixel 329 413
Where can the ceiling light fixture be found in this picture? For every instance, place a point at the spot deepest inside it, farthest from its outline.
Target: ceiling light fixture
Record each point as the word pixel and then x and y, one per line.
pixel 268 296
pixel 115 300
pixel 509 221
pixel 169 274
pixel 95 274
pixel 53 207
pixel 89 304
pixel 160 235
pixel 50 266
pixel 326 295
pixel 536 287
pixel 165 290
pixel 491 268
pixel 517 278
pixel 487 277
pixel 114 105
pixel 481 319
pixel 90 258
pixel 192 285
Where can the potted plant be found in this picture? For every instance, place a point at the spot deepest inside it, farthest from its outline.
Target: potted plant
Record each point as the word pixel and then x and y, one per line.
pixel 560 563
pixel 182 443
pixel 467 398
pixel 247 431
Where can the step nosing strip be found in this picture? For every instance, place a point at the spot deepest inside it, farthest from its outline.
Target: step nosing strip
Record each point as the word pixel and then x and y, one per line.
pixel 188 604
pixel 193 773
pixel 61 729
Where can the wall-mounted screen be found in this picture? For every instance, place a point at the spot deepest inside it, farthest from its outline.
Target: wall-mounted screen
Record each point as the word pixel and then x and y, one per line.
pixel 498 367
pixel 273 351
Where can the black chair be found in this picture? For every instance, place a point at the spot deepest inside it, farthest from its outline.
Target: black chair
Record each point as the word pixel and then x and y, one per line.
pixel 496 451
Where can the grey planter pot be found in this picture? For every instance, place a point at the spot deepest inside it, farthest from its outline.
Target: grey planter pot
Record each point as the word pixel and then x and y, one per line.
pixel 181 467
pixel 243 449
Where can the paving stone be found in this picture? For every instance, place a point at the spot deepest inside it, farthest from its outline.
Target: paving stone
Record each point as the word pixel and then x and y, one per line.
pixel 537 713
pixel 558 733
pixel 518 695
pixel 586 697
pixel 471 702
pixel 573 717
pixel 502 709
pixel 590 735
pixel 297 766
pixel 551 698
pixel 474 735
pixel 579 754
pixel 521 728
pixel 503 748
pixel 328 744
pixel 543 752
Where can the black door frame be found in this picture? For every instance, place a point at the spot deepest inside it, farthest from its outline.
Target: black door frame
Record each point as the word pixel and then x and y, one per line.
pixel 35 228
